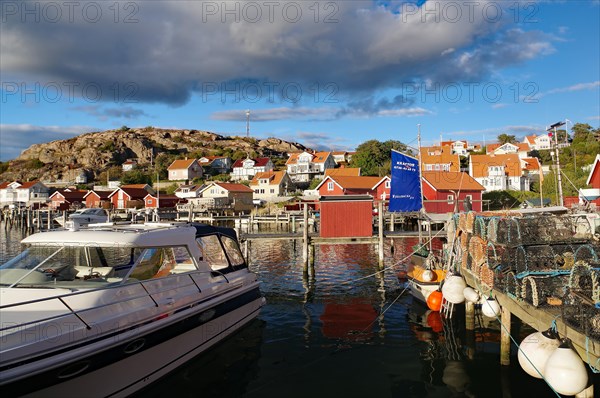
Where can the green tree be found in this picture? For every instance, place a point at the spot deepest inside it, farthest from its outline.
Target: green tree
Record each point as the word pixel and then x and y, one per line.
pixel 374 157
pixel 314 183
pixel 136 176
pixel 505 138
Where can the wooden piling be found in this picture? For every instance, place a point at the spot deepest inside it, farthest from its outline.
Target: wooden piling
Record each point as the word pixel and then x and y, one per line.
pixel 392 221
pixel 505 337
pixel 380 232
pixel 305 235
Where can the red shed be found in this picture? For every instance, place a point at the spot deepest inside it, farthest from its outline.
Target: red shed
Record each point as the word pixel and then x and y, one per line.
pixel 97 199
pixel 153 201
pixel 377 187
pixel 346 216
pixel 443 188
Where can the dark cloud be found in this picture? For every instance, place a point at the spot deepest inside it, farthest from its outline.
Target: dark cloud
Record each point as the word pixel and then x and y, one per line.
pixel 165 51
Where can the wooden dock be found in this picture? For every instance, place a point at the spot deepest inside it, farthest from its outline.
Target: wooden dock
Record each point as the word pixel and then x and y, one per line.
pixel 539 319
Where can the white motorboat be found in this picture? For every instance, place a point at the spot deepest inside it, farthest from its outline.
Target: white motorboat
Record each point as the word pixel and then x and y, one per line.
pixel 85 216
pixel 109 309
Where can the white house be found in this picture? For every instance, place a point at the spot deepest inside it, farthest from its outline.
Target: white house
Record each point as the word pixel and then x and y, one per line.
pixel 303 167
pixel 188 191
pixel 129 164
pixel 521 149
pixel 184 169
pixel 499 172
pixel 538 142
pixel 23 192
pixel 246 169
pixel 271 184
pixel 218 164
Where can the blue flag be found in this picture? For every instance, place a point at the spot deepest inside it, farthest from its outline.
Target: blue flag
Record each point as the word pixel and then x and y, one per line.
pixel 405 193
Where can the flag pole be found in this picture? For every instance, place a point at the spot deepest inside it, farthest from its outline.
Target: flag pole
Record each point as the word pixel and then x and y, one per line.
pixel 419 221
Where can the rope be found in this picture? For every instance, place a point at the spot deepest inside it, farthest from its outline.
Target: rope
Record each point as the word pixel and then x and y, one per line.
pixel 525 355
pixel 397 262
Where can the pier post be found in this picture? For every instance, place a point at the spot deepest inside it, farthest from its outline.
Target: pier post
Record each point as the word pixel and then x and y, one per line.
pixel 293 224
pixel 49 219
pixel 470 329
pixel 305 235
pixel 505 337
pixel 246 251
pixel 380 227
pixel 587 393
pixel 392 221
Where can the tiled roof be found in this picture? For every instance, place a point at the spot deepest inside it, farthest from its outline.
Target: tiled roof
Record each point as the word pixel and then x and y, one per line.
pixel 133 193
pixel 530 139
pixel 181 164
pixel 27 184
pixel 339 153
pixel 71 194
pixel 275 177
pixel 354 182
pixel 234 187
pixel 4 185
pixel 532 164
pixel 445 180
pixel 444 158
pixel 317 157
pixel 523 146
pixel 101 194
pixel 258 162
pixel 510 162
pixel 343 171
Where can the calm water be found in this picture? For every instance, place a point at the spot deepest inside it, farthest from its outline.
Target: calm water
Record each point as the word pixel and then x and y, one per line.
pixel 342 333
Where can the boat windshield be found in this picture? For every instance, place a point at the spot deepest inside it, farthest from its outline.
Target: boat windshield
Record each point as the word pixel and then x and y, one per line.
pixel 89 267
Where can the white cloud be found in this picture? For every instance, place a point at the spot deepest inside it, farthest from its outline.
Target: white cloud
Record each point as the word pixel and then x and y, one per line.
pixel 178 48
pixel 14 138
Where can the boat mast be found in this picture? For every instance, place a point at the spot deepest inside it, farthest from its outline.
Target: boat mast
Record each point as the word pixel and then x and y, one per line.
pixel 421 211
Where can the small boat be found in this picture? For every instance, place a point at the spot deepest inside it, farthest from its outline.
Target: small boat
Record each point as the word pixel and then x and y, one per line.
pixel 85 216
pixel 425 273
pixel 108 309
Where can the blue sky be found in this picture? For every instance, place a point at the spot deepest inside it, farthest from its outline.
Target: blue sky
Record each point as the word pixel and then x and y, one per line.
pixel 329 75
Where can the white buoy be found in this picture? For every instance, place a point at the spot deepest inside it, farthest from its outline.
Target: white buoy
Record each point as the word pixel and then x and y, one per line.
pixel 490 308
pixel 453 288
pixel 428 275
pixel 535 350
pixel 565 371
pixel 471 294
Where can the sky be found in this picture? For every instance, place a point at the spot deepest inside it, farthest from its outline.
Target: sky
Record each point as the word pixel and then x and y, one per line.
pixel 327 74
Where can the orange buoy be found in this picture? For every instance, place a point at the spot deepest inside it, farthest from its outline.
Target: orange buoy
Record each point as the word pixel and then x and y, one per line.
pixel 434 301
pixel 434 321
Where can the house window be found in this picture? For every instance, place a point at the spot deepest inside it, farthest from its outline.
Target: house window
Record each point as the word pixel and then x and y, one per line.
pixel 428 167
pixel 387 183
pixel 437 166
pixel 450 199
pixel 149 201
pixel 330 186
pixel 272 190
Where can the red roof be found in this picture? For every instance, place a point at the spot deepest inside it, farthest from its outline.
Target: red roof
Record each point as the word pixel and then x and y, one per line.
pixel 4 185
pixel 100 194
pixel 258 162
pixel 234 187
pixel 27 184
pixel 133 193
pixel 447 180
pixel 71 195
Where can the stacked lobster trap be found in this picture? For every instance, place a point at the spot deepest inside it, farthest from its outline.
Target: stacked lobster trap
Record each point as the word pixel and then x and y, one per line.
pixel 544 259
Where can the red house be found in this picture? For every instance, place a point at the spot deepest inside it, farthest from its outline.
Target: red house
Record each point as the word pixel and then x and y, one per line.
pixel 97 199
pixel 65 198
pixel 442 189
pixel 593 194
pixel 346 216
pixel 125 198
pixel 377 187
pixel 162 201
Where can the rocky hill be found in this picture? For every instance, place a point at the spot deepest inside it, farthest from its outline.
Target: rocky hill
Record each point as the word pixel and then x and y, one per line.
pixel 94 153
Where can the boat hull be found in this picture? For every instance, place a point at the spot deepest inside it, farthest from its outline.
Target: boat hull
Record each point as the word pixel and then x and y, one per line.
pixel 419 287
pixel 140 360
